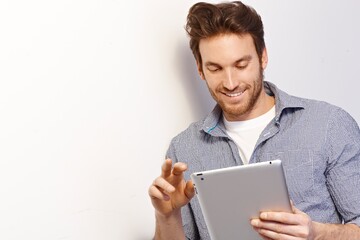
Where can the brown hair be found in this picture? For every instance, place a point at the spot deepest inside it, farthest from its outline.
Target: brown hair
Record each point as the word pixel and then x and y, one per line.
pixel 208 20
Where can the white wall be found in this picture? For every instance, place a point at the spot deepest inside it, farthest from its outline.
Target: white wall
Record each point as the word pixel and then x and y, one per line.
pixel 91 92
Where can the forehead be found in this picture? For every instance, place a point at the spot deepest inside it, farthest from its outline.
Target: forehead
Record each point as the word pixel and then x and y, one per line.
pixel 227 48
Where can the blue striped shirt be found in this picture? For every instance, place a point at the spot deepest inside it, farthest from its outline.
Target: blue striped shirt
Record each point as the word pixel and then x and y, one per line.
pixel 318 143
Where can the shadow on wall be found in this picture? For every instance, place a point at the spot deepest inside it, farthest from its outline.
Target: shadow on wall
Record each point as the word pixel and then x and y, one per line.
pixel 199 98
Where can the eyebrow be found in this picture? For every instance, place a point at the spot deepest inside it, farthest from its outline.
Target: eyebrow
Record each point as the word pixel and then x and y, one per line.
pixel 244 58
pixel 207 64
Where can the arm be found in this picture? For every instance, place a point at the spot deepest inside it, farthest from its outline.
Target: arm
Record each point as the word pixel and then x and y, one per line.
pixel 336 231
pixel 169 227
pixel 343 181
pixel 168 194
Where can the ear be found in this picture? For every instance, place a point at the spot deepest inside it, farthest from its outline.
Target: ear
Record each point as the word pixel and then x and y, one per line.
pixel 264 59
pixel 200 71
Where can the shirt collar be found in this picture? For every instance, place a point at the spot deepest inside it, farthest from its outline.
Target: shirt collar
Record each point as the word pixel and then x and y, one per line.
pixel 213 124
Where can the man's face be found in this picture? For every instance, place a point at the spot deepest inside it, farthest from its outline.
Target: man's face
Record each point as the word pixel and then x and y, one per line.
pixel 234 75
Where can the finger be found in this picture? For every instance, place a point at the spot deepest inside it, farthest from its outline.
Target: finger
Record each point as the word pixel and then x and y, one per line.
pixel 265 238
pixel 281 217
pixel 177 173
pixel 280 228
pixel 179 168
pixel 292 206
pixel 267 234
pixel 296 210
pixel 258 231
pixel 189 190
pixel 166 168
pixel 155 193
pixel 163 185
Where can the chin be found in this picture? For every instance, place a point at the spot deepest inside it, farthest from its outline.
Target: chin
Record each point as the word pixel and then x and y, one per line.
pixel 234 111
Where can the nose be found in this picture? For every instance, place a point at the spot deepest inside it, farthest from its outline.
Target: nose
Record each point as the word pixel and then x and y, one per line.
pixel 229 80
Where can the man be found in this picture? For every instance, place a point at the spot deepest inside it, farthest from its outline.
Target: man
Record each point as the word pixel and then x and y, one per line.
pixel 254 121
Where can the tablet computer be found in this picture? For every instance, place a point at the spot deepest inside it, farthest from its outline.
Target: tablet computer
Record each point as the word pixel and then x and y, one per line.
pixel 230 197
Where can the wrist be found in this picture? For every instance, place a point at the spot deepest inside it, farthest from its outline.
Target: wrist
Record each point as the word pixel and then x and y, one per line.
pixel 169 226
pixel 318 230
pixel 173 216
pixel 328 231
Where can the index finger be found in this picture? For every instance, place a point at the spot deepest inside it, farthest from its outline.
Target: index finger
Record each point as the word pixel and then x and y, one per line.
pixel 166 168
pixel 179 168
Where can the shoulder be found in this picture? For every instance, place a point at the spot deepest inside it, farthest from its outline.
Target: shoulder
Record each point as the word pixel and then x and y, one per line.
pixel 332 120
pixel 191 133
pixel 312 116
pixel 321 108
pixel 315 109
pixel 186 143
pixel 289 104
pixel 197 132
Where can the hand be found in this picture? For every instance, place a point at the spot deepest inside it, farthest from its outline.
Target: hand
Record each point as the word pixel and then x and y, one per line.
pixel 281 225
pixel 170 191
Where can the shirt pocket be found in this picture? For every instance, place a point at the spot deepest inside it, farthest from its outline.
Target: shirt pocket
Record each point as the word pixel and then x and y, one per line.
pixel 299 173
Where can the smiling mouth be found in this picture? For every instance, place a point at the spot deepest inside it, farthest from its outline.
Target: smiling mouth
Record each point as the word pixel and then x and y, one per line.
pixel 233 94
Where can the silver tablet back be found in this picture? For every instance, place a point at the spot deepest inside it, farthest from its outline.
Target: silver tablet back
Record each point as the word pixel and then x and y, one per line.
pixel 230 197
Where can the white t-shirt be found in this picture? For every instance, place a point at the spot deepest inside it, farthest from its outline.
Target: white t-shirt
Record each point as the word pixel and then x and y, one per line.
pixel 246 133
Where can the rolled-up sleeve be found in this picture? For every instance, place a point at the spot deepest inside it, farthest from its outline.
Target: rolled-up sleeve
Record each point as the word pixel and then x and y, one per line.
pixel 343 171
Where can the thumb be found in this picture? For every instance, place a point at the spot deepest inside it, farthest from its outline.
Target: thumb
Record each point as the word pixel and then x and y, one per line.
pixel 295 209
pixel 189 190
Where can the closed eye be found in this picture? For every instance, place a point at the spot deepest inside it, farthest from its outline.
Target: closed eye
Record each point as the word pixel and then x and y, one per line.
pixel 213 68
pixel 243 62
pixel 241 66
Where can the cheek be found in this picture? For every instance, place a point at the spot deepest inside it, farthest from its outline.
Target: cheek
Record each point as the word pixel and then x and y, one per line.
pixel 251 75
pixel 211 81
pixel 242 76
pixel 211 84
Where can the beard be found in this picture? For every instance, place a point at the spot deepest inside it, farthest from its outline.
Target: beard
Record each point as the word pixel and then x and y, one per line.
pixel 234 111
